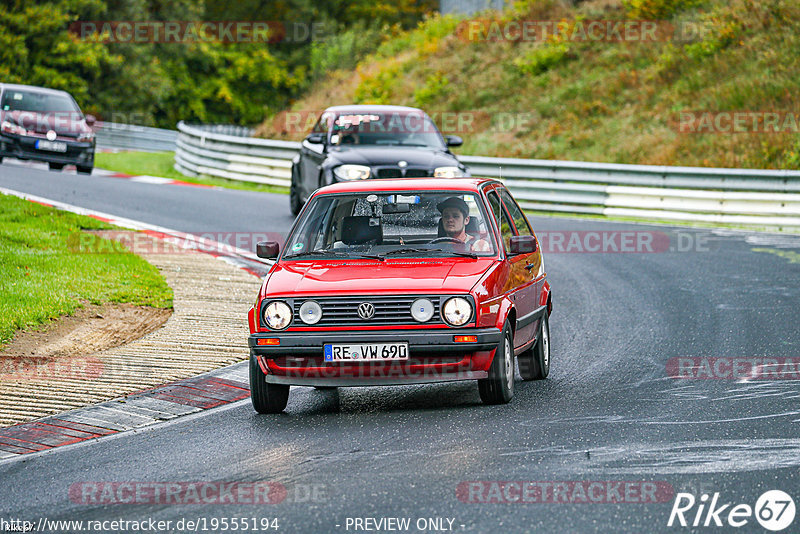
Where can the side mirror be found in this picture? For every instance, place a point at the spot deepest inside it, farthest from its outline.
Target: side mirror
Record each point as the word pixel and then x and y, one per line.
pixel 267 249
pixel 454 140
pixel 90 120
pixel 523 244
pixel 316 138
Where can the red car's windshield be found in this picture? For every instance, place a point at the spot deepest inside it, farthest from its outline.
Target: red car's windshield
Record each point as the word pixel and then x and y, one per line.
pixel 385 224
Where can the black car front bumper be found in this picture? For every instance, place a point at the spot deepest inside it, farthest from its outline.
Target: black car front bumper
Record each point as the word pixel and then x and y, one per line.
pixel 24 147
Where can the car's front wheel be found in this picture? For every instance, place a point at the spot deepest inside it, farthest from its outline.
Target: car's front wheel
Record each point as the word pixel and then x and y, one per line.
pixel 534 363
pixel 84 170
pixel 295 203
pixel 498 388
pixel 266 398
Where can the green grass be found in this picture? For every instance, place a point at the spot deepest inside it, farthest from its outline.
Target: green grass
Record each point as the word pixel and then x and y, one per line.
pixel 160 164
pixel 43 277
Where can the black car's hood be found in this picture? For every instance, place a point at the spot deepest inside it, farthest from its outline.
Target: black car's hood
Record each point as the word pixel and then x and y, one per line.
pixel 389 155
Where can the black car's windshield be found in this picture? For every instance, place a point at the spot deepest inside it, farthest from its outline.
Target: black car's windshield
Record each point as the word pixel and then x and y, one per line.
pixel 37 102
pixel 386 225
pixel 407 128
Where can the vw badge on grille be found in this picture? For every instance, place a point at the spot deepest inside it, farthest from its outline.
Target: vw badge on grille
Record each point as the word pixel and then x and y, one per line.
pixel 51 135
pixel 366 310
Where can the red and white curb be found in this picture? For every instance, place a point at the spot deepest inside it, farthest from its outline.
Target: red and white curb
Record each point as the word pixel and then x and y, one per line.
pixel 134 411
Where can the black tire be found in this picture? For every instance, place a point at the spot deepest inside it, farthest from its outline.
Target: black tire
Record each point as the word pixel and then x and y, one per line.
pixel 534 363
pixel 295 203
pixel 498 388
pixel 266 398
pixel 56 166
pixel 84 170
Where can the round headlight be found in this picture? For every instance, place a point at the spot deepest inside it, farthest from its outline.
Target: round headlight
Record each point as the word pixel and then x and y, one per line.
pixel 351 172
pixel 457 311
pixel 422 310
pixel 310 312
pixel 277 315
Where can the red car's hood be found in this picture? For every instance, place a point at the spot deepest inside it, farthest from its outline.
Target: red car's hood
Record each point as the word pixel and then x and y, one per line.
pixel 358 277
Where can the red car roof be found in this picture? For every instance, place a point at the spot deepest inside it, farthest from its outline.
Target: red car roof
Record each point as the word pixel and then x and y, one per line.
pixel 407 184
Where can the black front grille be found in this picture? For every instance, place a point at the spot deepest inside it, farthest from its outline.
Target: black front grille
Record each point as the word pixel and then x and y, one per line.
pixel 389 310
pixel 397 172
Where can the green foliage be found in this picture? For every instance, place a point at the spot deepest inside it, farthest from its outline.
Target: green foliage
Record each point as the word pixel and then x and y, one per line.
pixel 343 50
pixel 543 58
pixel 378 88
pixel 435 86
pixel 656 9
pixel 599 100
pixel 159 84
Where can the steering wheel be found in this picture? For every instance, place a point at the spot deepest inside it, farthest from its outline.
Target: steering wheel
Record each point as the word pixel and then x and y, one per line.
pixel 446 239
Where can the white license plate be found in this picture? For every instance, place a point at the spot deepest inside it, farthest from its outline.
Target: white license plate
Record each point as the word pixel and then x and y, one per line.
pixel 366 352
pixel 52 146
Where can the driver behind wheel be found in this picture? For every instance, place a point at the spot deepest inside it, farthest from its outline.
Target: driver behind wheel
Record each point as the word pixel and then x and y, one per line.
pixel 455 217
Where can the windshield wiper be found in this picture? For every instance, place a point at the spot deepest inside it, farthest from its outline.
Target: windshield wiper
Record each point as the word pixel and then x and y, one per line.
pixel 337 253
pixel 409 251
pixel 431 250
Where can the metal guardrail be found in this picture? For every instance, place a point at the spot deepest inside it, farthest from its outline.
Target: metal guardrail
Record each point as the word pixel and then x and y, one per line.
pixel 132 137
pixel 692 194
pixel 201 150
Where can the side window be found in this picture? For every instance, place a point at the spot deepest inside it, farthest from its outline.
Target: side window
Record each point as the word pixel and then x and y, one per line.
pixel 502 219
pixel 523 228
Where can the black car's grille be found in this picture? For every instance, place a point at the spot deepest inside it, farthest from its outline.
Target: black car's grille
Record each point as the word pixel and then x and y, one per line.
pixel 397 172
pixel 389 310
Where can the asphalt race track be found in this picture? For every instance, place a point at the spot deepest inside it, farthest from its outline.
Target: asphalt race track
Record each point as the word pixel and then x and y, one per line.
pixel 609 413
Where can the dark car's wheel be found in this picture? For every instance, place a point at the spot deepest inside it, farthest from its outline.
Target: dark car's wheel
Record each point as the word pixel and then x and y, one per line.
pixel 266 398
pixel 498 388
pixel 295 203
pixel 55 166
pixel 534 363
pixel 84 170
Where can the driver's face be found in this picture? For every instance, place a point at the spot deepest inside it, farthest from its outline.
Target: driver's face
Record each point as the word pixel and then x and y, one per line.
pixel 453 221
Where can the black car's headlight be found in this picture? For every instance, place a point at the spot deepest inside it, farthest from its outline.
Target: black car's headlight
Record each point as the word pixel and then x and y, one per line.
pixel 448 172
pixel 277 315
pixel 351 172
pixel 457 311
pixel 84 137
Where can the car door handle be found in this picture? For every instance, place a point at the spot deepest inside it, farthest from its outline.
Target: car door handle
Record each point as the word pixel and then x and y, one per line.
pixel 530 266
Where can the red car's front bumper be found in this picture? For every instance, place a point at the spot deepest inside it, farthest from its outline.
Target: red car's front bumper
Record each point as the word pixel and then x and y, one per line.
pixel 434 356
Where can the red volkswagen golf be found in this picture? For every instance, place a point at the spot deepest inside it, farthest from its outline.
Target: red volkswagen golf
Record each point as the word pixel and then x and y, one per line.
pixel 393 282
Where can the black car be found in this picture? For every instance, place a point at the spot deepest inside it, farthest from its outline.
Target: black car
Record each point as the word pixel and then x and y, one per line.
pixel 45 125
pixel 359 142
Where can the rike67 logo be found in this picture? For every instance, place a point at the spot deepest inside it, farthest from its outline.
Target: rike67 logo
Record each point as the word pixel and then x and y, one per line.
pixel 774 510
